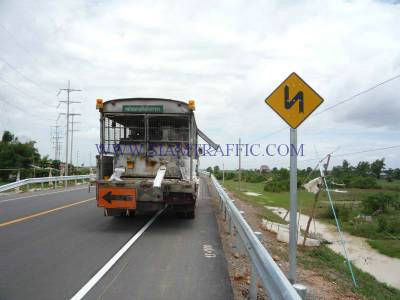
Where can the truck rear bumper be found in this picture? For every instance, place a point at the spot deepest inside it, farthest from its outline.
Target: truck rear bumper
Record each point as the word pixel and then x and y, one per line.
pixel 140 195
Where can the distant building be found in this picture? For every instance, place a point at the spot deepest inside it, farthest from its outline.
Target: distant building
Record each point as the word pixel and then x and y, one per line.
pixel 384 175
pixel 264 169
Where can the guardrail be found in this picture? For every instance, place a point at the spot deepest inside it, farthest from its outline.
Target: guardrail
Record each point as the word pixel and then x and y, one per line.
pixel 263 267
pixel 28 181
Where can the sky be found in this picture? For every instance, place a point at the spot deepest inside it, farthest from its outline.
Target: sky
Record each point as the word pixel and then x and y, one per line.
pixel 227 55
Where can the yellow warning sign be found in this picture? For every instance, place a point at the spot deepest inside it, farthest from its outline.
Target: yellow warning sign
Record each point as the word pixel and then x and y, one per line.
pixel 294 100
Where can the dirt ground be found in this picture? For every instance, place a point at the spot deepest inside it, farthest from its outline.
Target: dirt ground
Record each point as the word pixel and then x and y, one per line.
pixel 239 268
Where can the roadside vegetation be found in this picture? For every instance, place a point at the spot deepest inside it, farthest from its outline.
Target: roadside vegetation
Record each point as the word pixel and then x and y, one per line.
pixel 379 202
pixel 24 157
pixel 369 206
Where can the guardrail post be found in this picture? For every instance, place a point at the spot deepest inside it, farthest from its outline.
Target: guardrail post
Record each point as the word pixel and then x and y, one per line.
pixel 76 182
pixel 42 185
pixel 301 290
pixel 259 236
pixel 230 225
pixel 253 283
pixel 238 243
pixel 254 277
pixel 224 212
pixel 18 179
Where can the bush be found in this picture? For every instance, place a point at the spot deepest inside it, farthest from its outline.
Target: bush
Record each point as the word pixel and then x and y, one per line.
pixel 363 182
pixel 277 186
pixel 229 175
pixel 365 229
pixel 382 224
pixel 380 202
pixel 342 212
pixel 393 226
pixel 254 177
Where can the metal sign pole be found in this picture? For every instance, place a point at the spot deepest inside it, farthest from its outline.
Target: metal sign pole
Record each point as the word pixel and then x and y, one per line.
pixel 293 206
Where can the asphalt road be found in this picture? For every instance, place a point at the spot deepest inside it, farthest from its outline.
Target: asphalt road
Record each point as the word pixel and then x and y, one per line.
pixel 53 242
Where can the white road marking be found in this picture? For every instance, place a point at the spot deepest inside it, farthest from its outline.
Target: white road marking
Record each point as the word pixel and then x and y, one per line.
pixel 209 251
pixel 43 194
pixel 96 278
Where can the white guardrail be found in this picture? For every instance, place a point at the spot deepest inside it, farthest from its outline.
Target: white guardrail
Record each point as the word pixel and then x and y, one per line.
pixel 263 267
pixel 28 181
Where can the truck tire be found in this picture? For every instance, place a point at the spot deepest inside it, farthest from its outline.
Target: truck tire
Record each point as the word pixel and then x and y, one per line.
pixel 190 214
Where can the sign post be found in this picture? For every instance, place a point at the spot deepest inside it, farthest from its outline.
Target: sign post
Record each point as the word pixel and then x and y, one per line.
pixel 293 100
pixel 293 207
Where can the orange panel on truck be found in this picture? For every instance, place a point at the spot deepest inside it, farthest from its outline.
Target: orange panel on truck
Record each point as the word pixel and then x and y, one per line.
pixel 116 197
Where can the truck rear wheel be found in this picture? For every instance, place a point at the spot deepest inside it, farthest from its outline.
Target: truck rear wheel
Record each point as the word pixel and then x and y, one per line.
pixel 190 214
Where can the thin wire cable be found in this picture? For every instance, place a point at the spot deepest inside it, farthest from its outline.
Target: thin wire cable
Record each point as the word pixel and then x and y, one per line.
pixel 342 240
pixel 356 152
pixel 358 94
pixel 28 113
pixel 25 93
pixel 23 76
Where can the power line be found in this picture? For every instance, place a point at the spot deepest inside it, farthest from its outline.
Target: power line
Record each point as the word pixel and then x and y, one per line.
pixel 356 152
pixel 339 103
pixel 22 75
pixel 29 113
pixel 358 94
pixel 25 93
pixel 14 39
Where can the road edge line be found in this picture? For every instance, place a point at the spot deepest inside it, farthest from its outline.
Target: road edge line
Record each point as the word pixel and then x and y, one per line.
pixel 96 278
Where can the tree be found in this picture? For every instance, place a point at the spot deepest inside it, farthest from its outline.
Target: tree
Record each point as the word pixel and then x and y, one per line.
pixel 345 165
pixel 377 167
pixel 363 168
pixel 396 173
pixel 56 164
pixel 16 155
pixel 7 137
pixel 44 162
pixel 216 169
pixel 209 170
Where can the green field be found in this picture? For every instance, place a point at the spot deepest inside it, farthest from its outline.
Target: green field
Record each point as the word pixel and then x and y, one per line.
pixel 347 208
pixel 323 259
pixel 393 185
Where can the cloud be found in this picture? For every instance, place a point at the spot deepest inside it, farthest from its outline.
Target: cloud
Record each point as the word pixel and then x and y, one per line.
pixel 227 55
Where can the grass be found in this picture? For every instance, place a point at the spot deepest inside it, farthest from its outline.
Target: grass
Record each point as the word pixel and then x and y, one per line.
pixel 347 205
pixel 332 266
pixel 323 260
pixel 393 185
pixel 388 247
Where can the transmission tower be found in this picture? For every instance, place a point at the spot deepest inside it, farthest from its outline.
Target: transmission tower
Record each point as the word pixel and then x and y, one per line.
pixel 56 140
pixel 68 102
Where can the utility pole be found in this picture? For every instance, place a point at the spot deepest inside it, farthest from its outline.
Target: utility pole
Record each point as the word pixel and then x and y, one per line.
pixel 240 164
pixel 68 102
pixel 72 132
